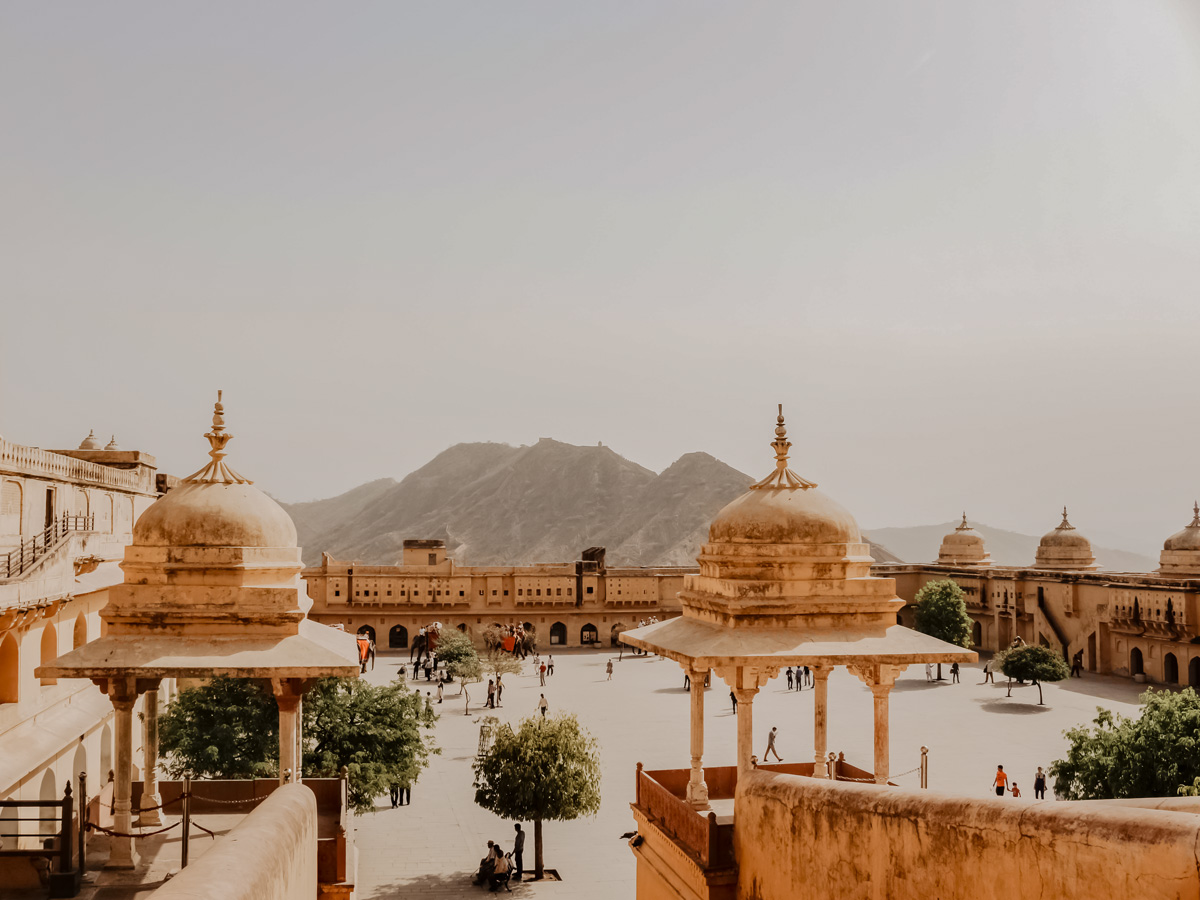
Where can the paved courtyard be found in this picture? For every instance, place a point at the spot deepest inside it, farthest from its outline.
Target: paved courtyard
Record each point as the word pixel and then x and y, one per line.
pixel 431 848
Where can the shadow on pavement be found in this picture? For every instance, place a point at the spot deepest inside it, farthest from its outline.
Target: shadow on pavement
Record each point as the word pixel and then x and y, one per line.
pixel 1014 706
pixel 455 884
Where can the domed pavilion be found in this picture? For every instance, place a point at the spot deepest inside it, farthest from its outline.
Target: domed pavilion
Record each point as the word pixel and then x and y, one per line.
pixel 963 547
pixel 212 587
pixel 1181 551
pixel 785 581
pixel 1066 549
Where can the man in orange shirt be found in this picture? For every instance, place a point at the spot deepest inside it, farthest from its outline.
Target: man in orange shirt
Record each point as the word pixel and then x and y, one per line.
pixel 1000 782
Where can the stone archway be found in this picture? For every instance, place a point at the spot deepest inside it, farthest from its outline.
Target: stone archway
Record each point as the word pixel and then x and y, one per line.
pixel 79 632
pixel 1194 672
pixel 10 670
pixel 368 631
pixel 615 633
pixel 1170 669
pixel 47 792
pixel 49 649
pixel 1136 666
pixel 589 635
pixel 398 638
pixel 558 633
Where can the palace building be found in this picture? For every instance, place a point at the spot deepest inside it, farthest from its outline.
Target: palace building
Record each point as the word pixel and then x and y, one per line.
pixel 578 604
pixel 1138 624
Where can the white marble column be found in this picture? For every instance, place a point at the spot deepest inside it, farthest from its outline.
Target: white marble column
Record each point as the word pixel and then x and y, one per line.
pixel 150 794
pixel 881 690
pixel 122 854
pixel 820 720
pixel 697 789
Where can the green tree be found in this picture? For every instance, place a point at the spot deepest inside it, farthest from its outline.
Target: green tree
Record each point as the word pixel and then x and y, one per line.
pixel 379 733
pixel 942 613
pixel 227 728
pixel 546 769
pixel 1156 754
pixel 457 651
pixel 1035 665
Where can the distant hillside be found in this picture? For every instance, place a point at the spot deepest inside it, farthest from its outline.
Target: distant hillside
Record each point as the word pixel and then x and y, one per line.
pixel 496 504
pixel 920 543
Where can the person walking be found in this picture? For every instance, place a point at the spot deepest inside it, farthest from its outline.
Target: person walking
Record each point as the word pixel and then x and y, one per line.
pixel 491 701
pixel 1077 665
pixel 733 697
pixel 518 850
pixel 394 791
pixel 987 673
pixel 1000 782
pixel 439 689
pixel 404 794
pixel 1039 785
pixel 550 664
pixel 808 676
pixel 954 673
pixel 542 673
pixel 928 671
pixel 543 705
pixel 1016 791
pixel 789 677
pixel 687 680
pixel 608 668
pixel 499 689
pixel 771 746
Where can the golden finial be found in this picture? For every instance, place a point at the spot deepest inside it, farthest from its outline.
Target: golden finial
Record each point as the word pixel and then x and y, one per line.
pixel 1196 515
pixel 217 472
pixel 782 477
pixel 964 526
pixel 1065 524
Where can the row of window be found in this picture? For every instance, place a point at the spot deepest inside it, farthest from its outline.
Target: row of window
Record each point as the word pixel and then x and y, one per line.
pixel 558 592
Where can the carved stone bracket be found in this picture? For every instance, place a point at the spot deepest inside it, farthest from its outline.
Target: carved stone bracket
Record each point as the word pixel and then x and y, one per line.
pixel 877 675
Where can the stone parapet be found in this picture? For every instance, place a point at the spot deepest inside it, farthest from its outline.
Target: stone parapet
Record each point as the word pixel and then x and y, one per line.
pixel 18 459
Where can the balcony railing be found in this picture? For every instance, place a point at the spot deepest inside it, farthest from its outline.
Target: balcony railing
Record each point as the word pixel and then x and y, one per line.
pixel 17 561
pixel 22 460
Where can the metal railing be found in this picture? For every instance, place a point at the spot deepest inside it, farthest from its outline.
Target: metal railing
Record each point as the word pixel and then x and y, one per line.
pixel 54 845
pixel 19 560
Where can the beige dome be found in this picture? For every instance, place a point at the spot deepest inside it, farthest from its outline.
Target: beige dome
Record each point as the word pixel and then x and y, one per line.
pixel 91 442
pixel 204 514
pixel 1065 548
pixel 1181 551
pixel 963 547
pixel 798 516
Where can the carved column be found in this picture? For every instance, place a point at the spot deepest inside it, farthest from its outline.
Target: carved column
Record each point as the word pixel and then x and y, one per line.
pixel 150 795
pixel 697 789
pixel 882 746
pixel 288 692
pixel 121 853
pixel 820 719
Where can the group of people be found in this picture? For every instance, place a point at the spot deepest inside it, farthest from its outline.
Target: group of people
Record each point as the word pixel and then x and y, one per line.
pixel 544 667
pixel 801 676
pixel 1003 784
pixel 498 867
pixel 953 672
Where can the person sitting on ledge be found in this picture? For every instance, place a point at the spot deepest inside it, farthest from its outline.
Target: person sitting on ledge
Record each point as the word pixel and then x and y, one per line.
pixel 487 865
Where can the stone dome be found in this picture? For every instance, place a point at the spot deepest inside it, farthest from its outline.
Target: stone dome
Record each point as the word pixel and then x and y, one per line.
pixel 204 514
pixel 963 547
pixel 91 442
pixel 1065 548
pixel 1181 551
pixel 800 516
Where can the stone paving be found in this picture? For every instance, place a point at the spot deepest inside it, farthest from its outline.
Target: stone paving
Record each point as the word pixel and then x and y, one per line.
pixel 431 848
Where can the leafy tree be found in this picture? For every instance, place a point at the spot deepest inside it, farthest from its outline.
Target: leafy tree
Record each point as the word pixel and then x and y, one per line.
pixel 1034 664
pixel 456 650
pixel 497 662
pixel 376 732
pixel 942 613
pixel 227 728
pixel 546 769
pixel 1156 754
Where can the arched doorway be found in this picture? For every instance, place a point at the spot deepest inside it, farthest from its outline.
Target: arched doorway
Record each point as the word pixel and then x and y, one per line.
pixel 1170 669
pixel 79 632
pixel 615 634
pixel 10 670
pixel 398 637
pixel 47 826
pixel 558 633
pixel 977 635
pixel 49 649
pixel 1135 662
pixel 79 765
pixel 462 626
pixel 528 626
pixel 588 634
pixel 368 631
pixel 1194 672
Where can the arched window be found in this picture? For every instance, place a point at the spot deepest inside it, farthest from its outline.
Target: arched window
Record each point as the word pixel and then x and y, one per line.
pixel 368 631
pixel 462 626
pixel 1194 672
pixel 82 507
pixel 558 633
pixel 80 765
pixel 10 670
pixel 79 632
pixel 1170 669
pixel 977 635
pixel 104 514
pixel 398 637
pixel 47 793
pixel 49 649
pixel 588 634
pixel 615 634
pixel 1135 662
pixel 528 626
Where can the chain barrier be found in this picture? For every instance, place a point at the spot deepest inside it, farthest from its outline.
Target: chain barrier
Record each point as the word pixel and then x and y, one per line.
pixel 872 780
pixel 92 826
pixel 211 834
pixel 229 802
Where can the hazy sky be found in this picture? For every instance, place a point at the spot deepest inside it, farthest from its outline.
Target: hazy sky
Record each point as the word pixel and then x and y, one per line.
pixel 960 241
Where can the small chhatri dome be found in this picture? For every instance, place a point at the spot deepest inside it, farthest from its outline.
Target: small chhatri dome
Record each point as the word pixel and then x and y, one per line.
pixel 90 442
pixel 1181 551
pixel 963 547
pixel 215 507
pixel 784 508
pixel 1065 548
pixel 112 444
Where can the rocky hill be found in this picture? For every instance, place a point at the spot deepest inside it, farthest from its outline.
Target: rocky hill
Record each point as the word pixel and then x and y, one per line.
pixel 495 504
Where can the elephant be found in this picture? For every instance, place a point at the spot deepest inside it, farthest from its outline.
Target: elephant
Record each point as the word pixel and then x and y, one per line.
pixel 525 645
pixel 423 645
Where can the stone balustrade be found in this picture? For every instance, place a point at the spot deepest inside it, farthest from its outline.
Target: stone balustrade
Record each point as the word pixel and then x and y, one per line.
pixel 18 459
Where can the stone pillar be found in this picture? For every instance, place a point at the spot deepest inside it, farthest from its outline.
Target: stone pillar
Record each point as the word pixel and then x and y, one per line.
pixel 150 795
pixel 697 789
pixel 122 854
pixel 880 690
pixel 745 726
pixel 287 695
pixel 820 719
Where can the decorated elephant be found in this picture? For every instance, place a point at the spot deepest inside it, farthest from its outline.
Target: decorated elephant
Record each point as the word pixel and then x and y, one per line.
pixel 424 645
pixel 521 644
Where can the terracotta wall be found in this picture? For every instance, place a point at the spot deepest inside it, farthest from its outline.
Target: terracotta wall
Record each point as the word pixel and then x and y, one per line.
pixel 797 837
pixel 269 855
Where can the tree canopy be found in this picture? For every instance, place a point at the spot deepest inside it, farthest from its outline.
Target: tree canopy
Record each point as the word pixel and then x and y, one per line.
pixel 545 769
pixel 1153 755
pixel 941 612
pixel 229 728
pixel 461 659
pixel 1034 664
